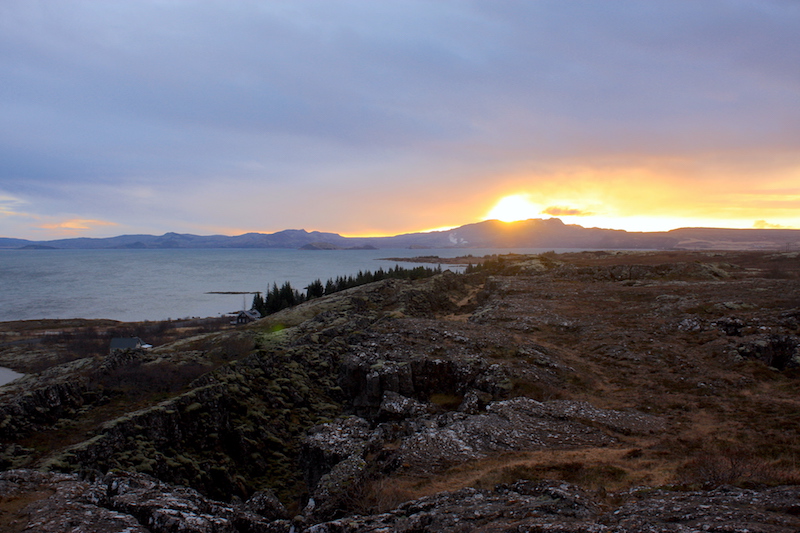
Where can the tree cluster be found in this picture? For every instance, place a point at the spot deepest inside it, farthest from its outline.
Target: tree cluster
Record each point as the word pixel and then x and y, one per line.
pixel 278 298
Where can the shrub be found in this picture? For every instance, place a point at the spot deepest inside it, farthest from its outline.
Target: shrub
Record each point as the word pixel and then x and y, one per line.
pixel 597 476
pixel 734 466
pixel 378 495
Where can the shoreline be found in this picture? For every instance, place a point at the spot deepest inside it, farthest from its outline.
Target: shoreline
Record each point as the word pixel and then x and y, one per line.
pixel 14 328
pixel 27 344
pixel 7 375
pixel 434 259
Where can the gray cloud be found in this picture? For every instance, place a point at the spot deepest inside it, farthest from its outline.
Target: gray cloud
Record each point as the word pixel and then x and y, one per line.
pixel 342 94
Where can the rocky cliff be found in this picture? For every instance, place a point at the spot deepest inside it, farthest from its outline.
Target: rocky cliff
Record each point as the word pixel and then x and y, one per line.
pixel 575 392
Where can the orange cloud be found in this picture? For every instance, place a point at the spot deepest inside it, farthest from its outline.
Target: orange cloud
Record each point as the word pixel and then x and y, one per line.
pixel 9 205
pixel 77 224
pixel 566 212
pixel 763 224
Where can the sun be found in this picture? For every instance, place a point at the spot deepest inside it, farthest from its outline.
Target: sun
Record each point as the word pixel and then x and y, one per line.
pixel 513 208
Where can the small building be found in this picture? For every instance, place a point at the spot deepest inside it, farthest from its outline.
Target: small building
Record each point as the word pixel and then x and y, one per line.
pixel 127 343
pixel 245 317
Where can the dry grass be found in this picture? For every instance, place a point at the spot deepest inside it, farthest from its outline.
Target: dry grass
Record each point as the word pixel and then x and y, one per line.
pixel 13 518
pixel 599 469
pixel 728 422
pixel 378 496
pixel 734 467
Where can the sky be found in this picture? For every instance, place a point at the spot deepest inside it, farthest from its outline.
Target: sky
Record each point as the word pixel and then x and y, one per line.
pixel 366 117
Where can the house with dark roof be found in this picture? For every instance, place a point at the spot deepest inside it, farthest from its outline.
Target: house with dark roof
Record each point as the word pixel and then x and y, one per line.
pixel 245 317
pixel 120 344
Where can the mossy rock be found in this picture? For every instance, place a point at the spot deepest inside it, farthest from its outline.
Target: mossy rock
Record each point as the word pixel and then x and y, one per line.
pixel 196 406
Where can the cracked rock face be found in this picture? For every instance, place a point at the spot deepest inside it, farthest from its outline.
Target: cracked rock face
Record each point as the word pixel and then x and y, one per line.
pixel 124 502
pixel 134 503
pixel 57 502
pixel 556 506
pixel 511 425
pixel 329 444
pixel 724 509
pixel 335 452
pixel 33 401
pixel 433 442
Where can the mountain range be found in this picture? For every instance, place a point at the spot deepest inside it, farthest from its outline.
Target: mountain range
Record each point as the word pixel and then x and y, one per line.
pixel 532 233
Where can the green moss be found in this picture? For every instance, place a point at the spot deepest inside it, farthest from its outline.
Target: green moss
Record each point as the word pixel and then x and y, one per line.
pixel 185 461
pixel 57 465
pixel 193 407
pixel 324 407
pixel 173 463
pixel 145 466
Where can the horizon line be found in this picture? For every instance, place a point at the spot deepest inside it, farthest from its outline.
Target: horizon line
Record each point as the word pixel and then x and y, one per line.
pixel 373 236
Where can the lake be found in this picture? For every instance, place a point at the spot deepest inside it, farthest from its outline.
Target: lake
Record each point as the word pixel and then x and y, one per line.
pixel 136 285
pixel 7 375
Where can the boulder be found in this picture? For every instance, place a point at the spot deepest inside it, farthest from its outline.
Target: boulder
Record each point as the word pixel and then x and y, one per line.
pixel 266 504
pixel 397 407
pixel 334 490
pixel 327 445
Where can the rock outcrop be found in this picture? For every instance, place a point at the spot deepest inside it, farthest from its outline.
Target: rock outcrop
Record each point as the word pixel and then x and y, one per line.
pixel 34 401
pixel 137 503
pixel 561 507
pixel 543 393
pixel 134 503
pixel 777 351
pixel 334 453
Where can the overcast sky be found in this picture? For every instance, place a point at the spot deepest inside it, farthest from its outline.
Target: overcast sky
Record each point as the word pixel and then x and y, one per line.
pixel 385 117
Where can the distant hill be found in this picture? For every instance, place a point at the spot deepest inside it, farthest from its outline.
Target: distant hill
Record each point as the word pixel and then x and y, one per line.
pixel 533 233
pixel 736 239
pixel 14 243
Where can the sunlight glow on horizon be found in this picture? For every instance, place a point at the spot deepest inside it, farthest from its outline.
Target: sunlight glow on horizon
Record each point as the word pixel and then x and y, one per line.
pixel 617 208
pixel 513 208
pixel 519 206
pixel 631 224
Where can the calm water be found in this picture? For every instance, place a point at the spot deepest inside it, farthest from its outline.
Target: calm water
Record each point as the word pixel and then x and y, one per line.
pixel 133 285
pixel 7 376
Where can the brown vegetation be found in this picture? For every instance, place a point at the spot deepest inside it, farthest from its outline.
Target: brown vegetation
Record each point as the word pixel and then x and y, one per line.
pixel 708 343
pixel 713 349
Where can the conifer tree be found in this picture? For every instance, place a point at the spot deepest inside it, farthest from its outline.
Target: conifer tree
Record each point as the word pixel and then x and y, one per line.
pixel 315 289
pixel 330 287
pixel 258 304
